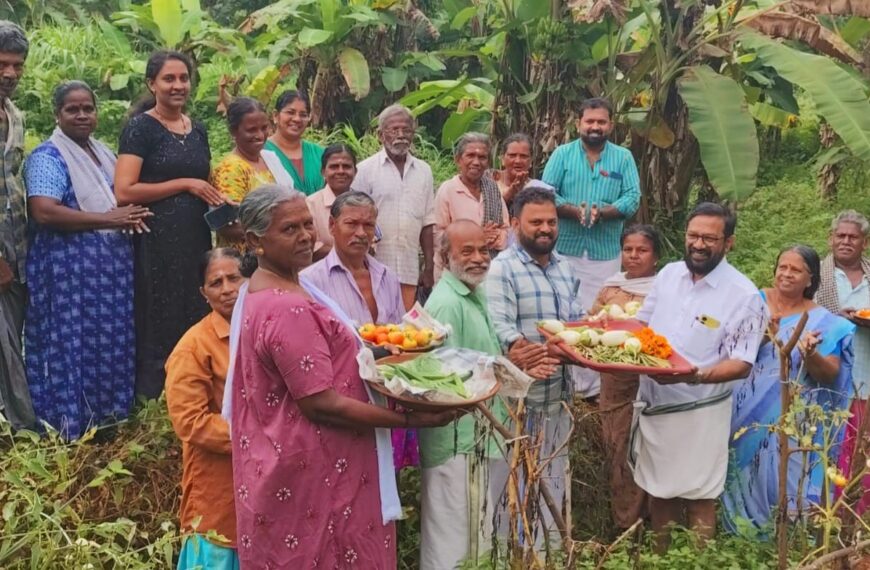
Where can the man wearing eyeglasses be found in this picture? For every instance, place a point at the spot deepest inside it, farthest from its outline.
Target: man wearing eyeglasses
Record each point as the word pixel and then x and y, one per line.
pixel 404 191
pixel 715 317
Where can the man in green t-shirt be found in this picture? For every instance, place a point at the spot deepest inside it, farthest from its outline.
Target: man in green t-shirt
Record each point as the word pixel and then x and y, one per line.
pixel 464 470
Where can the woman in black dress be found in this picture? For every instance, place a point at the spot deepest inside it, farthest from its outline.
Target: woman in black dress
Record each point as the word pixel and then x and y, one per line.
pixel 164 162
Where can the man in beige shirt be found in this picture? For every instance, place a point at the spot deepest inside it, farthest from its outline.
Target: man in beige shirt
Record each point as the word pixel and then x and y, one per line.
pixel 403 189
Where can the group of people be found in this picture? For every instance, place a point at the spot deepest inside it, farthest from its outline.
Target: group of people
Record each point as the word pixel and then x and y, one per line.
pixel 107 263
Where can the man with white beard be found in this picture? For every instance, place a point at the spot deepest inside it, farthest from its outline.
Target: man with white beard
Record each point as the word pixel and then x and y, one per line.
pixel 403 190
pixel 464 471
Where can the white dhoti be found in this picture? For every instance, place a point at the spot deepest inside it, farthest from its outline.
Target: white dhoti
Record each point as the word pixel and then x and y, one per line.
pixel 459 500
pixel 682 453
pixel 592 275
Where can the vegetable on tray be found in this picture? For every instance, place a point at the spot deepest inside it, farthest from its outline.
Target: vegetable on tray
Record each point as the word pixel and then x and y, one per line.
pixel 623 345
pixel 426 372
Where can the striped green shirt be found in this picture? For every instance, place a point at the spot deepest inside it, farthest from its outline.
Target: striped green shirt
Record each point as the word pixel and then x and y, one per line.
pixel 613 181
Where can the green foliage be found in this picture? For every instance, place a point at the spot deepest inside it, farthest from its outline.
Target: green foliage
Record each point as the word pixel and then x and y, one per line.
pixel 725 131
pixel 839 97
pixel 108 500
pixel 86 53
pixel 790 211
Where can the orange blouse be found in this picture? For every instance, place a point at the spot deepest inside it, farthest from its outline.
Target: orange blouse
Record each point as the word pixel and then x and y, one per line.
pixel 196 373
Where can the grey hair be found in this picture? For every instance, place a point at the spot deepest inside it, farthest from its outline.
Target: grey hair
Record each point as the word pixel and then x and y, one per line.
pixel 467 139
pixel 352 200
pixel 12 38
pixel 851 217
pixel 255 211
pixel 393 111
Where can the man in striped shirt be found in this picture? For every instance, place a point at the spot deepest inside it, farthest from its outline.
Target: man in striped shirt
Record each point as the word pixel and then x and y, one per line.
pixel 597 189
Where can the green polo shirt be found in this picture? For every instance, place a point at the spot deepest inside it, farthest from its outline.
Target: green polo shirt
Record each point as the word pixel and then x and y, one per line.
pixel 453 303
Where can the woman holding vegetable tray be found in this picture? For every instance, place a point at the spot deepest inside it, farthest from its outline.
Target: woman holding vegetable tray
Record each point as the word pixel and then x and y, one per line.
pixel 641 249
pixel 822 367
pixel 313 478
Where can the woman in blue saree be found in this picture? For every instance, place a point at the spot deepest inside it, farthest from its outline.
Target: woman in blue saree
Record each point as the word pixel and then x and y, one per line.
pixel 822 364
pixel 79 337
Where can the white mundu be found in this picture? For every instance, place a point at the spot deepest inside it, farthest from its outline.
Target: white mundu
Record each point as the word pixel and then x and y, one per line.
pixel 680 446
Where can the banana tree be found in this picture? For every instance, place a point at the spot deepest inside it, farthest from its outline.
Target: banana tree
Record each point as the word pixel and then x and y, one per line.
pixel 695 78
pixel 331 36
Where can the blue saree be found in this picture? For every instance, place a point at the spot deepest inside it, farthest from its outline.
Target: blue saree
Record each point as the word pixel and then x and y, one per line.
pixel 752 487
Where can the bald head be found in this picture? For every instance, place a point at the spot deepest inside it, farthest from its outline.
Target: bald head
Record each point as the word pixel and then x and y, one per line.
pixel 465 253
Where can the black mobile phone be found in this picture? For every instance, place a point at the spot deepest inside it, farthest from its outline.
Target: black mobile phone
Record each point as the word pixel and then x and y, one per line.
pixel 222 216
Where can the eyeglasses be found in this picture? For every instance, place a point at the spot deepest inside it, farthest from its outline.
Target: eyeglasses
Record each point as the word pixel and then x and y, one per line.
pixel 708 240
pixel 394 132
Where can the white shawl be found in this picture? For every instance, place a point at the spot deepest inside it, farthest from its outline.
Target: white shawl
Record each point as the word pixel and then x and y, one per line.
pixel 90 181
pixel 638 286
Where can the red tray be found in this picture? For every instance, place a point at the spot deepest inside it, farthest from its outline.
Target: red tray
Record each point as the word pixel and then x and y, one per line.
pixel 679 365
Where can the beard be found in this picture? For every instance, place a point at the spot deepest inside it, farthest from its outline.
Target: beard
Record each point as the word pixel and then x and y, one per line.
pixel 460 272
pixel 398 147
pixel 704 266
pixel 594 139
pixel 530 243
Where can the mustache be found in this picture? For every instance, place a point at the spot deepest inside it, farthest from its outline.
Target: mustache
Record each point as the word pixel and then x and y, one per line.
pixel 360 242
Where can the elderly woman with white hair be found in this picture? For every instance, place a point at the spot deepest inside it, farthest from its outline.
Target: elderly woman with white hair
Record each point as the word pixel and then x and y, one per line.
pixel 472 195
pixel 844 289
pixel 403 190
pixel 313 478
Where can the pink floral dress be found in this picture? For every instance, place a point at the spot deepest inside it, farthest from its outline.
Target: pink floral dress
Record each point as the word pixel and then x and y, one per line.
pixel 307 494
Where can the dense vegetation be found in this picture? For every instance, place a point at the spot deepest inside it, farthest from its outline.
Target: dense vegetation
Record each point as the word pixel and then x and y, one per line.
pixel 709 108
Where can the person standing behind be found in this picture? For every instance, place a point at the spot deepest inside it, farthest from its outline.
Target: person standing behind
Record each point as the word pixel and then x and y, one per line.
pixel 516 164
pixel 472 195
pixel 597 189
pixel 845 288
pixel 14 396
pixel 248 164
pixel 715 317
pixel 641 250
pixel 528 283
pixel 403 189
pixel 79 339
pixel 196 374
pixel 463 474
pixel 365 289
pixel 164 161
pixel 300 158
pixel 338 168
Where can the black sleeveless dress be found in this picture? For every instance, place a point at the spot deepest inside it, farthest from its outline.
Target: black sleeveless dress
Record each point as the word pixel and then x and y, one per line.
pixel 167 301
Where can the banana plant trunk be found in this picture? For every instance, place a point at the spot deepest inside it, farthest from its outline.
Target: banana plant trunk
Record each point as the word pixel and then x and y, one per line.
pixel 667 173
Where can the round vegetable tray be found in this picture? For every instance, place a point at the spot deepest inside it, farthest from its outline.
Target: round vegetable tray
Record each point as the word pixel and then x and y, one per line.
pixel 679 365
pixel 431 346
pixel 414 402
pixel 863 321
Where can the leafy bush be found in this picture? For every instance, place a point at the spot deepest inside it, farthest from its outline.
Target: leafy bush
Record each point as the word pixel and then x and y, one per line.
pixel 100 502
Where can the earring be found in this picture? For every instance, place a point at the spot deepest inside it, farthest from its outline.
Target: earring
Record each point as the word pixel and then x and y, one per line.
pixel 260 251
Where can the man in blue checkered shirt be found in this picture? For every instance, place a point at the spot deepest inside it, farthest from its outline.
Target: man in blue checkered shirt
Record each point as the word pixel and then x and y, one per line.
pixel 529 282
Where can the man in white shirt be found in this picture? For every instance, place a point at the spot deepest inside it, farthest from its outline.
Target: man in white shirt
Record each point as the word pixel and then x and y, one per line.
pixel 403 190
pixel 715 317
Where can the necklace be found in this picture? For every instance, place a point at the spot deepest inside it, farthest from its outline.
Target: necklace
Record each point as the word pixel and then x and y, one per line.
pixel 779 308
pixel 185 128
pixel 256 163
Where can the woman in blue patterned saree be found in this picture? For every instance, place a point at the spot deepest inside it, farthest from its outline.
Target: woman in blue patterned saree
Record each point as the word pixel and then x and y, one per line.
pixel 822 365
pixel 79 337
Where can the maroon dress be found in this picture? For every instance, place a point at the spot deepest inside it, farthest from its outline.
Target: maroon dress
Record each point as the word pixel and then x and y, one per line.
pixel 307 494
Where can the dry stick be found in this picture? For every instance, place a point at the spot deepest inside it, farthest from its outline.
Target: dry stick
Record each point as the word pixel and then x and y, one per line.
pixel 545 489
pixel 821 561
pixel 629 531
pixel 785 398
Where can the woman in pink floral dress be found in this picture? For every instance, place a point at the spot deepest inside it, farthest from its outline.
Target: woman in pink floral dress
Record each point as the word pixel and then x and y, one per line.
pixel 305 465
